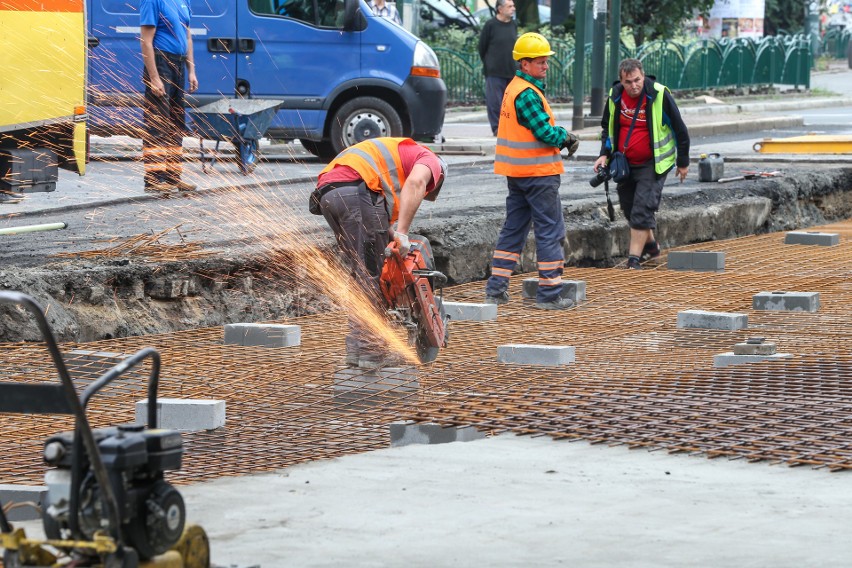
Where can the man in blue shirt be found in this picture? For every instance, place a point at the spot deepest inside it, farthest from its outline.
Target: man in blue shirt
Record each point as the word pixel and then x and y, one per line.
pixel 168 59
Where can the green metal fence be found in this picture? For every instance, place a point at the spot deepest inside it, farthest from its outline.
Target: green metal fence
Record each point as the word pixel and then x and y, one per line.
pixel 702 64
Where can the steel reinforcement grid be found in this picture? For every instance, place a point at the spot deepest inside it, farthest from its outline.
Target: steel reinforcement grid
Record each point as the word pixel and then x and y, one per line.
pixel 638 379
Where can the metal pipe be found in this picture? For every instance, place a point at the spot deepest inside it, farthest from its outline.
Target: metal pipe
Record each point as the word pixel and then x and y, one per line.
pixel 579 61
pixel 33 228
pixel 614 42
pixel 598 57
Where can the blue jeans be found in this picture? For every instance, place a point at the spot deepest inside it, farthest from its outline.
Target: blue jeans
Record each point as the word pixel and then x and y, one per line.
pixel 531 201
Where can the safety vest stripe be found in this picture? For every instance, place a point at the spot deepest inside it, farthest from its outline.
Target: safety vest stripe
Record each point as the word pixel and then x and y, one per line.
pixel 536 145
pixel 661 157
pixel 532 161
pixel 549 282
pixel 501 272
pixel 664 141
pixel 506 255
pixel 388 185
pixel 550 265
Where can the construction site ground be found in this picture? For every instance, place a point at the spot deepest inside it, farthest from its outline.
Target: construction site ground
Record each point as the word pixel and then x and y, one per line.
pixel 637 454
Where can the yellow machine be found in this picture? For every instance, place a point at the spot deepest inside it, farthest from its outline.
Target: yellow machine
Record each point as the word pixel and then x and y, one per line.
pixel 108 502
pixel 43 49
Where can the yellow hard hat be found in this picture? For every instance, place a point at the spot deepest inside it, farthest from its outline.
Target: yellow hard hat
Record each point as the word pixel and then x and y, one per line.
pixel 531 45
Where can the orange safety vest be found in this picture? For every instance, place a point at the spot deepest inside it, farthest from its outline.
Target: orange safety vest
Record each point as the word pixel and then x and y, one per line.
pixel 518 153
pixel 378 163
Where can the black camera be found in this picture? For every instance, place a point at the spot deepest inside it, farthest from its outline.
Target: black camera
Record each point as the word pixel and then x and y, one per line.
pixel 600 177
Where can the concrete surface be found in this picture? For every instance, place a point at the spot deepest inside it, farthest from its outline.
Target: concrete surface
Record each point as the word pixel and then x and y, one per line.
pixel 517 501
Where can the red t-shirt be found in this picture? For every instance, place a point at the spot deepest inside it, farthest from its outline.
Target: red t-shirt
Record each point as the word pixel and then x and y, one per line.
pixel 639 150
pixel 409 154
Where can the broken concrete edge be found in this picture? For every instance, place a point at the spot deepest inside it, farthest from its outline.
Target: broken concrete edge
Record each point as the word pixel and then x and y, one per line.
pixel 410 432
pixel 19 494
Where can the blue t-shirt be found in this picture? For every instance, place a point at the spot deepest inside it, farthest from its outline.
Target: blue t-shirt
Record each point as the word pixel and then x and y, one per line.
pixel 171 17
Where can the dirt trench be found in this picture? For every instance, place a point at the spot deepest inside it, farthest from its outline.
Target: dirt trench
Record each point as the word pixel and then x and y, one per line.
pixel 90 300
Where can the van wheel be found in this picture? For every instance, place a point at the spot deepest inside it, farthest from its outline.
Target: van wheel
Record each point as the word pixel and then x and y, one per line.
pixel 363 118
pixel 322 150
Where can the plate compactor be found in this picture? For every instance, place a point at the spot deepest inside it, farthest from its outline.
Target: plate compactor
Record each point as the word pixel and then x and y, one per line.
pixel 108 504
pixel 409 286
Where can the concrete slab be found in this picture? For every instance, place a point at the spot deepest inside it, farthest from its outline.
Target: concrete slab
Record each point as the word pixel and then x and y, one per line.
pixel 518 501
pixel 812 238
pixel 574 289
pixel 185 415
pixel 468 311
pixel 711 320
pixel 10 493
pixel 521 354
pixel 786 301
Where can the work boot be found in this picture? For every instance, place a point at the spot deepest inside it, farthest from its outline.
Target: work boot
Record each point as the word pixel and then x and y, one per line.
pixel 651 250
pixel 633 263
pixel 184 186
pixel 557 304
pixel 159 187
pixel 380 360
pixel 501 298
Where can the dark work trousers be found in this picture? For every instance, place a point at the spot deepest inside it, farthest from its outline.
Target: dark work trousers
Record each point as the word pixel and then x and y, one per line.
pixel 494 89
pixel 531 200
pixel 639 197
pixel 360 223
pixel 165 124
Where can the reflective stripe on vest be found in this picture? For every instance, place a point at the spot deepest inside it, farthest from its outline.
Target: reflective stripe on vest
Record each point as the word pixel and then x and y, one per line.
pixel 378 163
pixel 663 144
pixel 518 153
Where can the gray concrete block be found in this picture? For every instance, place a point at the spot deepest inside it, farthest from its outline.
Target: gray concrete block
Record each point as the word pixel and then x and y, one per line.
pixel 20 494
pixel 185 415
pixel 698 260
pixel 730 358
pixel 405 433
pixel 521 354
pixel 467 311
pixel 755 347
pixel 786 301
pixel 812 238
pixel 263 334
pixel 699 319
pixel 574 289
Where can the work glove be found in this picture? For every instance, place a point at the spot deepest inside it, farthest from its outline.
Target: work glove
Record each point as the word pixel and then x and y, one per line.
pixel 571 144
pixel 403 244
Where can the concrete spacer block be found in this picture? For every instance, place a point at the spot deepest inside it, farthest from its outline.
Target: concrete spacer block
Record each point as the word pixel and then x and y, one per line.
pixel 786 301
pixel 405 433
pixel 466 311
pixel 574 289
pixel 700 260
pixel 762 348
pixel 20 494
pixel 263 334
pixel 521 354
pixel 812 238
pixel 711 320
pixel 730 358
pixel 185 415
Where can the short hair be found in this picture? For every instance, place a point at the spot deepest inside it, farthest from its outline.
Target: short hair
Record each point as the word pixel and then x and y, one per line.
pixel 499 3
pixel 629 66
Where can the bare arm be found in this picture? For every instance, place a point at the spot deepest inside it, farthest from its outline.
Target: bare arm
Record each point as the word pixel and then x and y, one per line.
pixel 190 63
pixel 412 195
pixel 147 40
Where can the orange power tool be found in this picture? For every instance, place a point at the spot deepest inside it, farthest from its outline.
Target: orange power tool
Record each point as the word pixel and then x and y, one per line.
pixel 408 285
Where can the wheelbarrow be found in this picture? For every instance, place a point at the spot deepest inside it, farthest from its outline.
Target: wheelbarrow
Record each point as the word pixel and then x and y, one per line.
pixel 242 122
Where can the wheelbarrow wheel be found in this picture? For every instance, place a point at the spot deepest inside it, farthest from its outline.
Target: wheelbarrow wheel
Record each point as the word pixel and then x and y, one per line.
pixel 248 156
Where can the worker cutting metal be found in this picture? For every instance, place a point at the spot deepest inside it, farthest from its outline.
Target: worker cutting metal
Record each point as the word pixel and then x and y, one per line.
pixel 363 191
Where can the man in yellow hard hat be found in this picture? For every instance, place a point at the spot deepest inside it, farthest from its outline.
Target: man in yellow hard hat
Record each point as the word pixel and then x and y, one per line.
pixel 527 153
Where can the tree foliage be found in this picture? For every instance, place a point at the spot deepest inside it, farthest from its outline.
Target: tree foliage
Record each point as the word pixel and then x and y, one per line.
pixel 787 15
pixel 660 19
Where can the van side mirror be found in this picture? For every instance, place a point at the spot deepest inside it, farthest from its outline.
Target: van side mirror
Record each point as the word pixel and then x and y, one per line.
pixel 352 15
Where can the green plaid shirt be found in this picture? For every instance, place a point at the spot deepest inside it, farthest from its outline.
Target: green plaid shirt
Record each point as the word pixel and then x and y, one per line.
pixel 531 114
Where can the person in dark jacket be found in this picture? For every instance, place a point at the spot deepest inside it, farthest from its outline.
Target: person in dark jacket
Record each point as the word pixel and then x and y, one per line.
pixel 654 143
pixel 496 42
